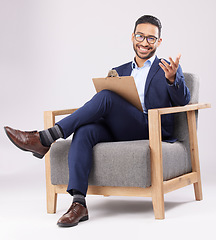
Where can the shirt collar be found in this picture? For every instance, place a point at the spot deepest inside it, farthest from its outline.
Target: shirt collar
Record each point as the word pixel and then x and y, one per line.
pixel 148 62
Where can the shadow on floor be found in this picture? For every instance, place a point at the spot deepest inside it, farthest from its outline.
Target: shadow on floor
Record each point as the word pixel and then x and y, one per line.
pixel 110 207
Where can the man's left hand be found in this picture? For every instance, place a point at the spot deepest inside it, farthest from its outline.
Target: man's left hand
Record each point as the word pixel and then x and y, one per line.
pixel 170 69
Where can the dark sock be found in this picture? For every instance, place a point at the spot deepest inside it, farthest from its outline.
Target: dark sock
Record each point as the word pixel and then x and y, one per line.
pixel 78 197
pixel 48 136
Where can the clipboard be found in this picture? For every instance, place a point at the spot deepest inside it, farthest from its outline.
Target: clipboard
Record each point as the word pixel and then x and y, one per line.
pixel 123 86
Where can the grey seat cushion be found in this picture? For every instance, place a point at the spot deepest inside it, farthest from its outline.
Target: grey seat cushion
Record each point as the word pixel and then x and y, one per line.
pixel 121 163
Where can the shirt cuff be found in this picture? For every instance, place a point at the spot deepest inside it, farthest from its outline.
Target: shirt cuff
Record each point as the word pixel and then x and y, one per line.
pixel 170 84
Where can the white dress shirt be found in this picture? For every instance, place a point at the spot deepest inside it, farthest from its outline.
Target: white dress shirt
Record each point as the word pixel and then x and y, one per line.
pixel 140 76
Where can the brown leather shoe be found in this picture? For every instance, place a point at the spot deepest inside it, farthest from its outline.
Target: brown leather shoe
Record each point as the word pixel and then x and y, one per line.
pixel 27 141
pixel 75 214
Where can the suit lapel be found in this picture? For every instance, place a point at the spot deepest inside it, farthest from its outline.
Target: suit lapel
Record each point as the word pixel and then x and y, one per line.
pixel 153 70
pixel 127 70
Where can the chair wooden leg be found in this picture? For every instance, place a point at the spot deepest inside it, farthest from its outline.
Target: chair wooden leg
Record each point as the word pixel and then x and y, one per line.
pixel 198 191
pixel 156 163
pixel 51 199
pixel 194 153
pixel 49 121
pixel 158 205
pixel 50 189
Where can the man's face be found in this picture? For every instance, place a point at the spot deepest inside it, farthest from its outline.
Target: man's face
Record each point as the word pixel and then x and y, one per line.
pixel 145 50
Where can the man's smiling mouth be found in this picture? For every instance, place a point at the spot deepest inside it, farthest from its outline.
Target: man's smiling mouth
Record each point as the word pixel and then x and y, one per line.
pixel 144 49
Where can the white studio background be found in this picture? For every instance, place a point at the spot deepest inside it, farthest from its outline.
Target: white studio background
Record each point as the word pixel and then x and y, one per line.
pixel 51 49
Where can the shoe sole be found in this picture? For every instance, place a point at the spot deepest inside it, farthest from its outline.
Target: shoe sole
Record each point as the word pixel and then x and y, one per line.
pixel 85 218
pixel 34 153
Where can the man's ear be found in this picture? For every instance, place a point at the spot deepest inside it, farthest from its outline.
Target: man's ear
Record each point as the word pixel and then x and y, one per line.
pixel 159 42
pixel 132 37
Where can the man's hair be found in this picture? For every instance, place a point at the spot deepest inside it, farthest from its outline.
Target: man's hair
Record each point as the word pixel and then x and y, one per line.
pixel 151 20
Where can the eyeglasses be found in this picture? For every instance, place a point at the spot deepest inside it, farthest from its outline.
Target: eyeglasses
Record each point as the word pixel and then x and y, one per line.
pixel 149 39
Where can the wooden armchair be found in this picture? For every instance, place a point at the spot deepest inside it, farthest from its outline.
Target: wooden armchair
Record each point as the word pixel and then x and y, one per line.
pixel 158 182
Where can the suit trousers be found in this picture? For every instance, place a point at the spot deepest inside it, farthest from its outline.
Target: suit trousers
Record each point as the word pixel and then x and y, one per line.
pixel 106 117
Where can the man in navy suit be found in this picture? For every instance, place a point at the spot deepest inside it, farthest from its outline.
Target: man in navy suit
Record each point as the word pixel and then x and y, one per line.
pixel 108 117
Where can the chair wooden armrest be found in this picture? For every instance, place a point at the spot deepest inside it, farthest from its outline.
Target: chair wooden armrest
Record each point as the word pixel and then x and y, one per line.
pixel 186 108
pixel 49 116
pixel 155 143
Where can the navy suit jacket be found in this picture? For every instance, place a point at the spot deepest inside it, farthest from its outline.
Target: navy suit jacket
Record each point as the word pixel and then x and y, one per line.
pixel 160 94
